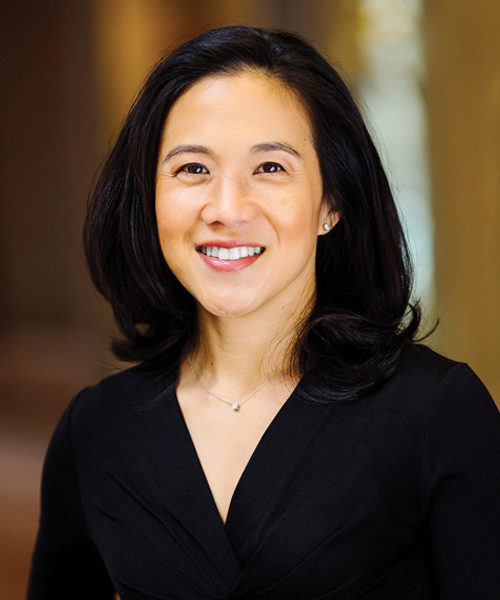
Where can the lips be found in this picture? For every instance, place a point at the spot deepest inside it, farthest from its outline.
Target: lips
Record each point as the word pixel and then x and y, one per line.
pixel 233 253
pixel 223 255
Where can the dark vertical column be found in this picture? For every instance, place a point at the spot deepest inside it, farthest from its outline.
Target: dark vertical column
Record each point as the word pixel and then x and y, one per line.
pixel 51 317
pixel 46 155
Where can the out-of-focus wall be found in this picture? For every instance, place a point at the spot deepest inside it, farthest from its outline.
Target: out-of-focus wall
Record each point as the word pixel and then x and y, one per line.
pixel 69 72
pixel 131 36
pixel 462 93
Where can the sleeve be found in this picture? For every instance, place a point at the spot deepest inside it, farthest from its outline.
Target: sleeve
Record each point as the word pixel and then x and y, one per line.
pixel 65 562
pixel 461 488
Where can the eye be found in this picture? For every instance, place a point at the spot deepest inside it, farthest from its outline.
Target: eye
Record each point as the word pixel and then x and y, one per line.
pixel 193 169
pixel 270 167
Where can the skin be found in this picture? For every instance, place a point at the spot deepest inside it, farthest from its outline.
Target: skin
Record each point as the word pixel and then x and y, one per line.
pixel 227 186
pixel 236 189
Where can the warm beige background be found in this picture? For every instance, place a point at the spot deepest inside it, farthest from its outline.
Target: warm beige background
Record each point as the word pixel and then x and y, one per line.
pixel 69 70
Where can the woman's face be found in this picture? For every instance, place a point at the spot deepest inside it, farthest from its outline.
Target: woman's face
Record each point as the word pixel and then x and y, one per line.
pixel 239 195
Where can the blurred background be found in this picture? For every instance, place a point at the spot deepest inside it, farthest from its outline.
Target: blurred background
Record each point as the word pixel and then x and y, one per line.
pixel 426 74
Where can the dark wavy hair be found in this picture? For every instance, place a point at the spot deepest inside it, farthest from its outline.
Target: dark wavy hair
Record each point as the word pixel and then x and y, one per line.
pixel 362 317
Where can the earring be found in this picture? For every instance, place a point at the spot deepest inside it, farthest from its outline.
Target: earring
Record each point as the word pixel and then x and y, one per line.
pixel 326 227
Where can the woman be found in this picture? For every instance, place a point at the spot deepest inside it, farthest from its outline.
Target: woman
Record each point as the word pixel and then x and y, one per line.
pixel 282 436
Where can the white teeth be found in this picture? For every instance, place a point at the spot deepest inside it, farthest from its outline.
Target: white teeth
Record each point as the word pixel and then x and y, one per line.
pixel 231 253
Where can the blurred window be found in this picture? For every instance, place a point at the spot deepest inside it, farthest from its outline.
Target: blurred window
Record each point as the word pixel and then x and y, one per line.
pixel 390 46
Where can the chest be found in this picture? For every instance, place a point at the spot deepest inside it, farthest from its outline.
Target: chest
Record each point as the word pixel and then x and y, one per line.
pixel 224 442
pixel 312 500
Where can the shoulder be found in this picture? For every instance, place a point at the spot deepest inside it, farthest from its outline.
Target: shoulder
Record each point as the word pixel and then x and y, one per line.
pixel 461 443
pixel 447 393
pixel 424 368
pixel 128 390
pixel 428 386
pixel 419 374
pixel 432 419
pixel 425 373
pixel 100 412
pixel 419 363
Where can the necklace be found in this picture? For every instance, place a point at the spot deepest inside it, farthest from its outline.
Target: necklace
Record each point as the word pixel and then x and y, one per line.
pixel 234 405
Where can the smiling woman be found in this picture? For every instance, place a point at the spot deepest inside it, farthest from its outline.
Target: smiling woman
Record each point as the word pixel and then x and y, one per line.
pixel 245 234
pixel 239 197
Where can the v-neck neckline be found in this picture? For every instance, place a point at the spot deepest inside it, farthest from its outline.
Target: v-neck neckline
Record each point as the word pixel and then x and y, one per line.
pixel 257 451
pixel 163 448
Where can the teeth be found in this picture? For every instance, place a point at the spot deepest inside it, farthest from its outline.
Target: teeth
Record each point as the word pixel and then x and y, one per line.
pixel 231 253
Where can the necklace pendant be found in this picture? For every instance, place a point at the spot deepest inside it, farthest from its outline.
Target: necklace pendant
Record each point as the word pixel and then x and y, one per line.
pixel 235 406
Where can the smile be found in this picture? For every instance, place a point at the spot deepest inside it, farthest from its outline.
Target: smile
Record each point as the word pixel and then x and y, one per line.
pixel 234 258
pixel 231 253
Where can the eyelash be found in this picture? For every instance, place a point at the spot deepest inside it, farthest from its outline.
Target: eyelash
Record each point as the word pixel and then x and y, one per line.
pixel 272 164
pixel 184 168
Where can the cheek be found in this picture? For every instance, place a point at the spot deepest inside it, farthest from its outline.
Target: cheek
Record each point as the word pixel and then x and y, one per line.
pixel 169 235
pixel 175 222
pixel 298 218
pixel 171 219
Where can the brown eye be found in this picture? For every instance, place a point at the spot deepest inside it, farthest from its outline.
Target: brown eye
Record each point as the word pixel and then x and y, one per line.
pixel 193 169
pixel 269 167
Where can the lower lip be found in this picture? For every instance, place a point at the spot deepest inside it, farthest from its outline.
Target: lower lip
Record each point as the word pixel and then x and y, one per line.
pixel 218 264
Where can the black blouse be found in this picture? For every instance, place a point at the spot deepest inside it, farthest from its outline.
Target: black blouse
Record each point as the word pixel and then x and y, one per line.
pixel 392 496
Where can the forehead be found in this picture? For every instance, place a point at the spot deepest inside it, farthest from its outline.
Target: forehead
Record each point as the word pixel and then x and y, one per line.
pixel 243 104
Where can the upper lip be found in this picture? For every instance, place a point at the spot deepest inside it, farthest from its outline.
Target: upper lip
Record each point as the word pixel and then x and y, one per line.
pixel 228 244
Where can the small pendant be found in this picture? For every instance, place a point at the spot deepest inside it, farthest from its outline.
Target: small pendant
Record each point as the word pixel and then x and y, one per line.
pixel 235 406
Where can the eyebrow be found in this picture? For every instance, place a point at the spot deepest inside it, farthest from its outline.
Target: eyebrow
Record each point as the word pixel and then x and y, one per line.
pixel 270 146
pixel 188 148
pixel 262 147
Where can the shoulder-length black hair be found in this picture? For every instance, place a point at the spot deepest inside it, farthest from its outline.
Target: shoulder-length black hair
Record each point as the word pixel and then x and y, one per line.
pixel 362 317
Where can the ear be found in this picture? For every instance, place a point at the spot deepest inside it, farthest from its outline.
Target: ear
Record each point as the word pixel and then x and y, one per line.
pixel 327 218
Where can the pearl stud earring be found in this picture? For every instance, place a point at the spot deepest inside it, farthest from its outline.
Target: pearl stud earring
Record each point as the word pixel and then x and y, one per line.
pixel 326 227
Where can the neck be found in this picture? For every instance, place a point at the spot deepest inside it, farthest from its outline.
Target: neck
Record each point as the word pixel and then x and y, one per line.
pixel 239 353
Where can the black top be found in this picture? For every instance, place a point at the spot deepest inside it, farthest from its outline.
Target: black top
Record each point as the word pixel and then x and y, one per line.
pixel 392 496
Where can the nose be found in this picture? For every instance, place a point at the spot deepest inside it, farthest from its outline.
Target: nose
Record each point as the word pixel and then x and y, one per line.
pixel 229 203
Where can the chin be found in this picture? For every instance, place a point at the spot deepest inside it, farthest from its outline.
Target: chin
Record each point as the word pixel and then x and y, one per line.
pixel 237 307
